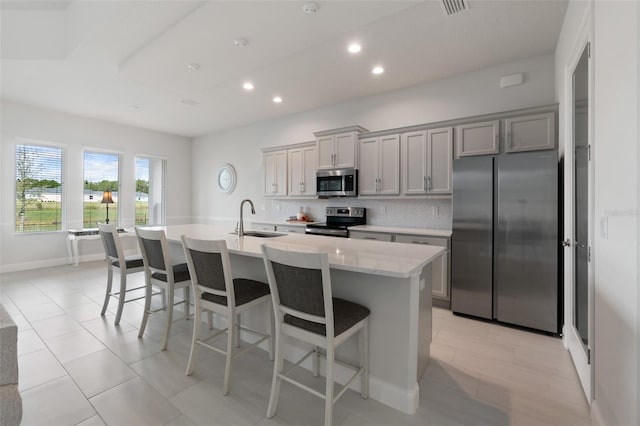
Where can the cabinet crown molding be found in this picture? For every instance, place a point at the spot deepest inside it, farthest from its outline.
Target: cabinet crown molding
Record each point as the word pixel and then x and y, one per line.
pixel 500 115
pixel 290 146
pixel 354 128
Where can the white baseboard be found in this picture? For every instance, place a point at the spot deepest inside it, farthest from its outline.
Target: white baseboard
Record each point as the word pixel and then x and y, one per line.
pixel 34 264
pixel 45 263
pixel 596 415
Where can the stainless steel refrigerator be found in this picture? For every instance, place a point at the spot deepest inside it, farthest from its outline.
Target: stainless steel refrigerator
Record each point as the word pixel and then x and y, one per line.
pixel 504 263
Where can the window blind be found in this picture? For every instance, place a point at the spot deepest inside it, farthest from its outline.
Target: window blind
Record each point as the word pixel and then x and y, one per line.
pixel 38 186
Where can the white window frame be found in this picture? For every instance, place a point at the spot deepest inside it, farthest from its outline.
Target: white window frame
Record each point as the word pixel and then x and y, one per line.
pixel 63 176
pixel 164 160
pixel 120 155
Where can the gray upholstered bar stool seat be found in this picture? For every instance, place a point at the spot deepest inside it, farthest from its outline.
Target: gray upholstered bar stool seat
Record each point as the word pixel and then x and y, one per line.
pixel 162 273
pixel 120 265
pixel 215 290
pixel 305 310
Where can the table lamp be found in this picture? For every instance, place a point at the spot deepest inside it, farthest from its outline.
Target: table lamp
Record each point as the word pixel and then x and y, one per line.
pixel 107 199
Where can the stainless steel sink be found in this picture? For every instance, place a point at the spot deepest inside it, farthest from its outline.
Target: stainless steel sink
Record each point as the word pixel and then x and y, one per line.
pixel 260 234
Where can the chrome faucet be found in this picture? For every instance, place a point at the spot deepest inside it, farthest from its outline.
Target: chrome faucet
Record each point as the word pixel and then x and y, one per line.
pixel 241 225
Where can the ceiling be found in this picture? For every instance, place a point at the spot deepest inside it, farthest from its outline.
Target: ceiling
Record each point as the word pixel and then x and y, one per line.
pixel 127 61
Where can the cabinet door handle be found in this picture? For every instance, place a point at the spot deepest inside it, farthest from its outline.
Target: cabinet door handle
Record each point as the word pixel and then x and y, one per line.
pixel 424 184
pixel 429 183
pixel 370 238
pixel 497 140
pixel 508 139
pixel 419 242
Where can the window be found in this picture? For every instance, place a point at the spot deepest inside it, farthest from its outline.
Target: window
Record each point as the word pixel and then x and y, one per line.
pixel 101 172
pixel 149 195
pixel 38 188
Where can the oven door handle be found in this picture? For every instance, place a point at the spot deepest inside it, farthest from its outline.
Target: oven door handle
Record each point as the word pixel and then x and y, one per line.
pixel 316 231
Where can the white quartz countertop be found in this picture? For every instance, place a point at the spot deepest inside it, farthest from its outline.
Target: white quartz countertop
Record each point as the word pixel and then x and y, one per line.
pixel 371 257
pixel 402 230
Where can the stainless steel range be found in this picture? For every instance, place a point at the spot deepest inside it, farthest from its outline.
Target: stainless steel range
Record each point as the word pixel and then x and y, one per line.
pixel 339 219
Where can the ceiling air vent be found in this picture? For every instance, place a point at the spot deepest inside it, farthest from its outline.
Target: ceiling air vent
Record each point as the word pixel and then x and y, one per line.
pixel 454 6
pixel 190 102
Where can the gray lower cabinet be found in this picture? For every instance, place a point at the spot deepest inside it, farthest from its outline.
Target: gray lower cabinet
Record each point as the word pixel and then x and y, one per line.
pixel 263 226
pixel 379 236
pixel 439 268
pixel 291 229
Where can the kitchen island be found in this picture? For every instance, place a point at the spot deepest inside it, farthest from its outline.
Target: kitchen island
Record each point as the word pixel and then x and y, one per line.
pixel 391 279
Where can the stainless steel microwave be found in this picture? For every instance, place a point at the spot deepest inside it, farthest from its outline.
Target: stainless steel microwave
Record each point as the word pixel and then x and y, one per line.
pixel 337 183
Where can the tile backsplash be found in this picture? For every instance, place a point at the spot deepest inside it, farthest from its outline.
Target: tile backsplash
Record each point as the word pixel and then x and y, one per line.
pixel 434 214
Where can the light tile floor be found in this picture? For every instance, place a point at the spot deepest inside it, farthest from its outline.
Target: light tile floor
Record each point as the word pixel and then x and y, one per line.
pixel 77 368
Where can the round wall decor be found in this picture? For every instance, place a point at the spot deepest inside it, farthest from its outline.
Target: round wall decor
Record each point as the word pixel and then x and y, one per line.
pixel 226 179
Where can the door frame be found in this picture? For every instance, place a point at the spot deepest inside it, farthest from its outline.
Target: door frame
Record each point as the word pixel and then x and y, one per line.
pixel 584 362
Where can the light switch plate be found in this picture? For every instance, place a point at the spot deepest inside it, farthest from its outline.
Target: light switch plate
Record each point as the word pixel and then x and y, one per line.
pixel 604 227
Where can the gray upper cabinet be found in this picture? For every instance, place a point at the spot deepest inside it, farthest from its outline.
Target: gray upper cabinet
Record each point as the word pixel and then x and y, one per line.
pixel 439 160
pixel 478 138
pixel 379 172
pixel 338 148
pixel 302 171
pixel 414 163
pixel 426 161
pixel 530 133
pixel 275 173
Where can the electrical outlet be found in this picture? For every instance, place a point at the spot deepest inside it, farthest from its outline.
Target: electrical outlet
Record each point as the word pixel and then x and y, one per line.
pixel 277 207
pixel 263 207
pixel 383 209
pixel 435 210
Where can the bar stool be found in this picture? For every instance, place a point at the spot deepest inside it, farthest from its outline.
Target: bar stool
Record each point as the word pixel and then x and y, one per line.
pixel 216 290
pixel 119 264
pixel 304 308
pixel 161 272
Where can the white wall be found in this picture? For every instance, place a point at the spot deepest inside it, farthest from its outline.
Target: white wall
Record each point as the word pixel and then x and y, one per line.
pixel 616 95
pixel 616 197
pixel 466 95
pixel 75 133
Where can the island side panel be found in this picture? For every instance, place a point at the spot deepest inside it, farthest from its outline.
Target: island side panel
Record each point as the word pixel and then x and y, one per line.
pixel 425 324
pixel 393 329
pixel 393 333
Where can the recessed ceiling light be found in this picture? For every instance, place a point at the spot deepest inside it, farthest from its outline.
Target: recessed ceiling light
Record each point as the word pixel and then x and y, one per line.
pixel 241 42
pixel 193 66
pixel 247 85
pixel 277 99
pixel 134 107
pixel 310 7
pixel 377 70
pixel 354 48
